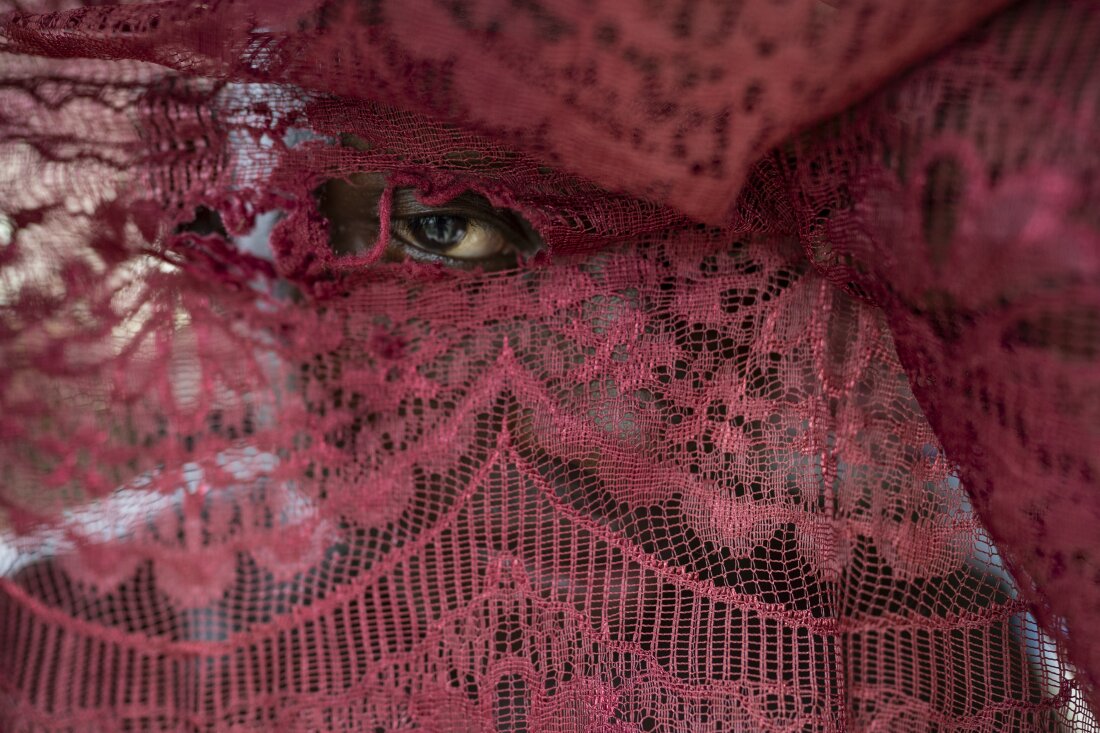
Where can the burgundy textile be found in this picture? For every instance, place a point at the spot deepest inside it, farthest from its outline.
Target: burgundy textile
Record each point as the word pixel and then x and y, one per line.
pixel 791 427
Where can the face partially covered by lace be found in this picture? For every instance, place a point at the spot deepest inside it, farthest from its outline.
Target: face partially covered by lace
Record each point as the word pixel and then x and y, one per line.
pixel 663 483
pixel 281 453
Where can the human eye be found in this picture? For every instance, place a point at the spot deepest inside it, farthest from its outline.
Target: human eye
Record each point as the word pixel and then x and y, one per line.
pixel 467 232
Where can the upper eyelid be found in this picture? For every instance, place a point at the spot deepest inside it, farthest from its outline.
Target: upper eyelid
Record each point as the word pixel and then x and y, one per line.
pixel 469 205
pixel 353 204
pixel 474 207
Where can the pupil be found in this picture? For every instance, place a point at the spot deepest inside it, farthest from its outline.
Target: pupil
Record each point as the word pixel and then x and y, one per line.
pixel 443 232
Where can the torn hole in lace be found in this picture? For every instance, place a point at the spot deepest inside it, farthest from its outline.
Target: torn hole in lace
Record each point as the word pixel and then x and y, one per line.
pixel 208 221
pixel 205 221
pixel 465 232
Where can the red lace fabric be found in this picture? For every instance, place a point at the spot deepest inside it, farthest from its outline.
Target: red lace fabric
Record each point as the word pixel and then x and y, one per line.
pixel 798 440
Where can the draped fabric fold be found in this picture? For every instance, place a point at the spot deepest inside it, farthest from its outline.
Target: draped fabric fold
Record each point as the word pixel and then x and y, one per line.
pixel 667 101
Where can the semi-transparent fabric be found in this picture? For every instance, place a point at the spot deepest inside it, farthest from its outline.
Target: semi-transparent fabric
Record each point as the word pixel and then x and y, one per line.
pixel 794 438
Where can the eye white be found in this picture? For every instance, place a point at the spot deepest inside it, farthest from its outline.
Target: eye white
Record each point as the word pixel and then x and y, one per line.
pixel 481 241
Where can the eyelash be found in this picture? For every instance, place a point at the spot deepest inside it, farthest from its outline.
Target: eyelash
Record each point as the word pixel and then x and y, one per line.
pixel 351 207
pixel 479 220
pixel 469 206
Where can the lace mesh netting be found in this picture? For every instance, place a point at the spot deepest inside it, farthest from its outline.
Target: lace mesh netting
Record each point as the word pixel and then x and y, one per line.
pixel 824 462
